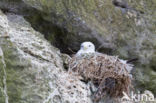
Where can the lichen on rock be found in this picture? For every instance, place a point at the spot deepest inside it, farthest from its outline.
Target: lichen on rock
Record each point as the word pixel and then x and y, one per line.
pixel 127 31
pixel 32 69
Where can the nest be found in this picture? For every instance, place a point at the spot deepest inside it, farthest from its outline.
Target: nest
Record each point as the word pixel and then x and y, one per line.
pixel 109 73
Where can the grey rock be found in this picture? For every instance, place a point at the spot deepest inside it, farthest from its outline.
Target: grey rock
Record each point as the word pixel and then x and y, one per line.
pixel 31 69
pixel 129 33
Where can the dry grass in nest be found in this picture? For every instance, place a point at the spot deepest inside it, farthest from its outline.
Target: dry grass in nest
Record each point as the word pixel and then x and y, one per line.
pixel 109 73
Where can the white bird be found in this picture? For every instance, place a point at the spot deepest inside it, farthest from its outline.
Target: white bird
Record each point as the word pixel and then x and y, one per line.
pixel 88 48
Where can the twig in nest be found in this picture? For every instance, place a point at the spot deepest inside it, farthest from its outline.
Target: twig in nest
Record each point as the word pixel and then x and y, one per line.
pixel 71 50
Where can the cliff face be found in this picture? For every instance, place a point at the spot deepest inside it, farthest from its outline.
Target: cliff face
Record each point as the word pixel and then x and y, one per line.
pixel 31 70
pixel 119 27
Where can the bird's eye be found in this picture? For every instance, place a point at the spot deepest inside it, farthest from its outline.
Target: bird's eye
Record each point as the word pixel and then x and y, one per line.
pixel 89 45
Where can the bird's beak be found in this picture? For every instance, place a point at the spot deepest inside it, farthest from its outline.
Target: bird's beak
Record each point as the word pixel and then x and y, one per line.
pixel 85 48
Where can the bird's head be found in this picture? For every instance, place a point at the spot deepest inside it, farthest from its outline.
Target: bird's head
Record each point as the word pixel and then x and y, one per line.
pixel 87 46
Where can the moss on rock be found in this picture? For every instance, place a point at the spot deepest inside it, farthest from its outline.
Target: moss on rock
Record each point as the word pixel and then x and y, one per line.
pixel 127 32
pixel 32 69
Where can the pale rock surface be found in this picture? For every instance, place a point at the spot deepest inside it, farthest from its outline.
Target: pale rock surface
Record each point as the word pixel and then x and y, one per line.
pixel 31 69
